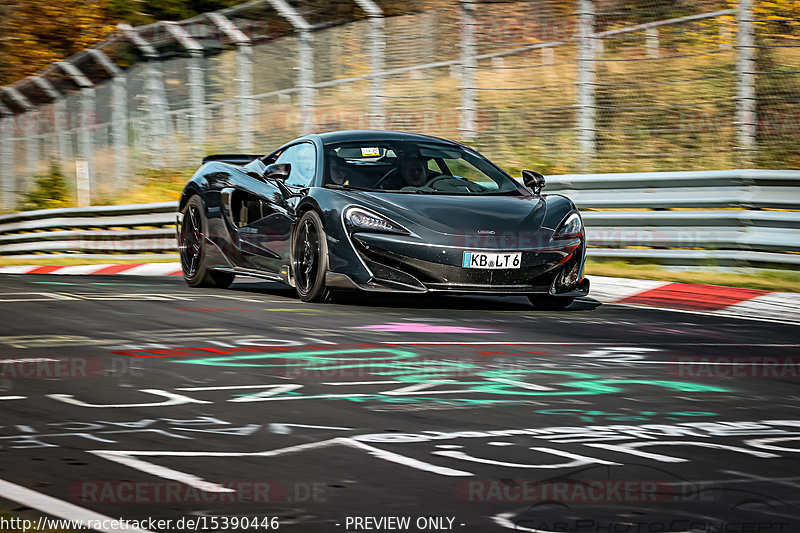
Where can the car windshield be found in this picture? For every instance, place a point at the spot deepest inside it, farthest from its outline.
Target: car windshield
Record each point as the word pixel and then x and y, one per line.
pixel 413 167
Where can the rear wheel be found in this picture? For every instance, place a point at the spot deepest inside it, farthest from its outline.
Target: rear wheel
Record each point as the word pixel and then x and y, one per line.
pixel 192 247
pixel 310 258
pixel 546 302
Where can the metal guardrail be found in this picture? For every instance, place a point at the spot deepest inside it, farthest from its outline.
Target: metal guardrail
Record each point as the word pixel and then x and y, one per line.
pixel 137 228
pixel 719 218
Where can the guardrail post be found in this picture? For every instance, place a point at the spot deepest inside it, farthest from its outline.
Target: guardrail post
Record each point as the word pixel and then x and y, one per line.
pixel 746 118
pixel 586 81
pixel 468 65
pixel 305 62
pixel 377 51
pixel 7 185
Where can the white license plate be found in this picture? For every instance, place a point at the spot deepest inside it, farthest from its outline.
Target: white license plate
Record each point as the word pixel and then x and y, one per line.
pixel 490 260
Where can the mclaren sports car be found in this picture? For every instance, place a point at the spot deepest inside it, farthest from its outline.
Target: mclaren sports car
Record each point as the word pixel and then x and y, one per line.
pixel 380 211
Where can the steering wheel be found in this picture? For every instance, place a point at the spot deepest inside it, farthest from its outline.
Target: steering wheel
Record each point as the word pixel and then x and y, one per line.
pixel 389 172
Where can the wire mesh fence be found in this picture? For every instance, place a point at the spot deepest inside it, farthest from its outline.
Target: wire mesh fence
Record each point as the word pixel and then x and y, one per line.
pixel 560 86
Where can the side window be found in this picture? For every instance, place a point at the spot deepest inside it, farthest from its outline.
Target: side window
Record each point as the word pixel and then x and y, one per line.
pixel 303 158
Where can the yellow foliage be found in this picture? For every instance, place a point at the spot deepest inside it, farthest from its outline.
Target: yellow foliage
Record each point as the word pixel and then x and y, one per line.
pixel 38 32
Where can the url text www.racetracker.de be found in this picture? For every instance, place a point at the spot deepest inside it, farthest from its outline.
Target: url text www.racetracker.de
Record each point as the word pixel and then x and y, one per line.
pixel 194 523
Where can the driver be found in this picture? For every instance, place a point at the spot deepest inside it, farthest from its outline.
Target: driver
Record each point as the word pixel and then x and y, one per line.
pixel 338 170
pixel 413 170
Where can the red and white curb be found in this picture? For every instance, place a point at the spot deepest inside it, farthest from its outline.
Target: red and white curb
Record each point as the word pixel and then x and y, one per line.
pixel 693 297
pixel 131 269
pixel 689 297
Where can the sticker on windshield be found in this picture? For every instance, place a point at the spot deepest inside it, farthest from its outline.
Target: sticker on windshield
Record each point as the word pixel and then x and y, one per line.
pixel 370 152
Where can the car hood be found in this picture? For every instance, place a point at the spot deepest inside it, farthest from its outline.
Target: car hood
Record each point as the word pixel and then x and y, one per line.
pixel 457 214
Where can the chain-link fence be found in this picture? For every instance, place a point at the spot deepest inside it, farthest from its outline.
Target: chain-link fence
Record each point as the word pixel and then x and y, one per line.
pixel 558 86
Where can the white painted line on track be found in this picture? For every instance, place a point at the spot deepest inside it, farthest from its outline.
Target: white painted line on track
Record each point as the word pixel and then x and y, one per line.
pixel 12 397
pixel 56 507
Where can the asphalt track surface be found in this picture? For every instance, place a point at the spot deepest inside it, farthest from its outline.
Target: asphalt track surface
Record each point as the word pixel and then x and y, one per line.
pixel 147 399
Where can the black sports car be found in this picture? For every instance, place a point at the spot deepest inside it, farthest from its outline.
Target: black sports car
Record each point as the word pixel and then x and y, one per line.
pixel 380 211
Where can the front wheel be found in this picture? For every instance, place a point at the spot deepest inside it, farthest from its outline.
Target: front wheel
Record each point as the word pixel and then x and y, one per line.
pixel 310 258
pixel 546 302
pixel 192 248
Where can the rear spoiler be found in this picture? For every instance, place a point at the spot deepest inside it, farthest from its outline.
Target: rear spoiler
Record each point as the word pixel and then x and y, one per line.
pixel 234 159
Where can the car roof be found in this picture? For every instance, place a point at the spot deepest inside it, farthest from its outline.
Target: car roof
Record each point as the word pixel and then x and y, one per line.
pixel 331 137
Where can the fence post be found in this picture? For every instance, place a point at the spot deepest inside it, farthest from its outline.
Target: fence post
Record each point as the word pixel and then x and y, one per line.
pixel 22 120
pixel 305 62
pixel 586 80
pixel 7 185
pixel 32 144
pixel 746 119
pixel 468 64
pixel 652 43
pixel 156 105
pixel 195 79
pixel 119 116
pixel 377 51
pixel 244 74
pixel 57 103
pixel 88 111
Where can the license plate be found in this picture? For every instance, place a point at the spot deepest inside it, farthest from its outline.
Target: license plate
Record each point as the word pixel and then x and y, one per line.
pixel 492 260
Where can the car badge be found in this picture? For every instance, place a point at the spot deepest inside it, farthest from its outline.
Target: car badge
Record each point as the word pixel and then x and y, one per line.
pixel 485 232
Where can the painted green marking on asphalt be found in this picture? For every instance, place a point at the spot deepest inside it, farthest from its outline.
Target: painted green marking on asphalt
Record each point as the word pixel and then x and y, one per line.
pixel 407 368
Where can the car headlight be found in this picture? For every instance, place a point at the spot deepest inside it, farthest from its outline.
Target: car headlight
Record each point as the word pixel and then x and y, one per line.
pixel 571 227
pixel 361 219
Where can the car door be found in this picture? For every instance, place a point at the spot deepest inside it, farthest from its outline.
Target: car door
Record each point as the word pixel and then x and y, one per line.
pixel 265 238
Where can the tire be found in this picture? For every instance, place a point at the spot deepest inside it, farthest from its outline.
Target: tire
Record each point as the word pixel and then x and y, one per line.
pixel 546 302
pixel 192 247
pixel 310 258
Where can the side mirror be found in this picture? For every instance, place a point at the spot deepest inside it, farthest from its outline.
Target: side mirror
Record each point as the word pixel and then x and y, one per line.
pixel 533 180
pixel 278 171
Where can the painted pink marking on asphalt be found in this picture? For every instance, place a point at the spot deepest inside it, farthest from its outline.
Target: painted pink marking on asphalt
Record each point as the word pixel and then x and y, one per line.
pixel 415 327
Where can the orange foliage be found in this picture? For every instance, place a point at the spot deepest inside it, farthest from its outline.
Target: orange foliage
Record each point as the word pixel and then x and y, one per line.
pixel 37 32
